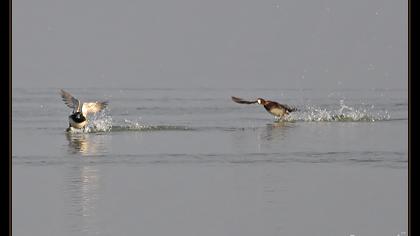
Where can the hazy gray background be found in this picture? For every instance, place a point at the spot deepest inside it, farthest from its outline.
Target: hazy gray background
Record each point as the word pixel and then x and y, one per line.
pixel 217 43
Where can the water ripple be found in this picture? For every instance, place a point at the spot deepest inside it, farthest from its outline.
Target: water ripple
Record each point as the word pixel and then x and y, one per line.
pixel 364 157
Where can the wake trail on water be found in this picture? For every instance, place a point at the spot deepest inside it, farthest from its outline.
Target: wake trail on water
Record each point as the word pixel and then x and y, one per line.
pixel 103 122
pixel 342 113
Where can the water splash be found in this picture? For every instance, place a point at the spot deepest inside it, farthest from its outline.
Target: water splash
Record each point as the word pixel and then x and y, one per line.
pixel 343 113
pixel 136 125
pixel 133 125
pixel 100 122
pixel 104 123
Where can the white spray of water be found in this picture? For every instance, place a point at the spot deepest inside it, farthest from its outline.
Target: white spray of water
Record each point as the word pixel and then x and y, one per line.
pixel 134 125
pixel 100 122
pixel 343 113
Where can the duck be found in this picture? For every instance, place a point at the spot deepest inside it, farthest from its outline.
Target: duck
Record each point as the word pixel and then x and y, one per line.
pixel 78 118
pixel 274 108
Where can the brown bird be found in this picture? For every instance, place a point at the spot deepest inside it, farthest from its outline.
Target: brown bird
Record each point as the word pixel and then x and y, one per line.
pixel 274 108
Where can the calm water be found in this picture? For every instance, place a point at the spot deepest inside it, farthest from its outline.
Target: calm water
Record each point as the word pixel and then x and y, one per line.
pixel 192 162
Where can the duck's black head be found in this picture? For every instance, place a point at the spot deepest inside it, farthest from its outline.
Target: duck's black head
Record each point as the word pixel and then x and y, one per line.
pixel 78 117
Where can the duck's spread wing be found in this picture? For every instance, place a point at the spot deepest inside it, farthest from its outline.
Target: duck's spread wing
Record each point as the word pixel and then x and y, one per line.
pixel 93 107
pixel 69 100
pixel 242 101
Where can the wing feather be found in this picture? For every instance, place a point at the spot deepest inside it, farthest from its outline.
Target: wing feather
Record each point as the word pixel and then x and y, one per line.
pixel 69 100
pixel 242 101
pixel 93 107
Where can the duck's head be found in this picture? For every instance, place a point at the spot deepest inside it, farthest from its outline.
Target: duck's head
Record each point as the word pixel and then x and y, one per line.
pixel 78 115
pixel 261 101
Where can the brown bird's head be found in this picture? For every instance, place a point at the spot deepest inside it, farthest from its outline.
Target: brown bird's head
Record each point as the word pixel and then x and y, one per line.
pixel 261 101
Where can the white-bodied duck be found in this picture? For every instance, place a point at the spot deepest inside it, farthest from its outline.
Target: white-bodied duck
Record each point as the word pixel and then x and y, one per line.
pixel 78 118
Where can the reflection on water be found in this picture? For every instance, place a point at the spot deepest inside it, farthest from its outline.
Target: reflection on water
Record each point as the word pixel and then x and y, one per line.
pixel 261 139
pixel 276 130
pixel 273 134
pixel 83 182
pixel 82 185
pixel 87 144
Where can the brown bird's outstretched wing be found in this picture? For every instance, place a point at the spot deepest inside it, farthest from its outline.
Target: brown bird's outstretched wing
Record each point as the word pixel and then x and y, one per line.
pixel 242 101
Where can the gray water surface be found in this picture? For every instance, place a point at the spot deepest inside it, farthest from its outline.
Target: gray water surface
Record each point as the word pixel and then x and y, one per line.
pixel 192 162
